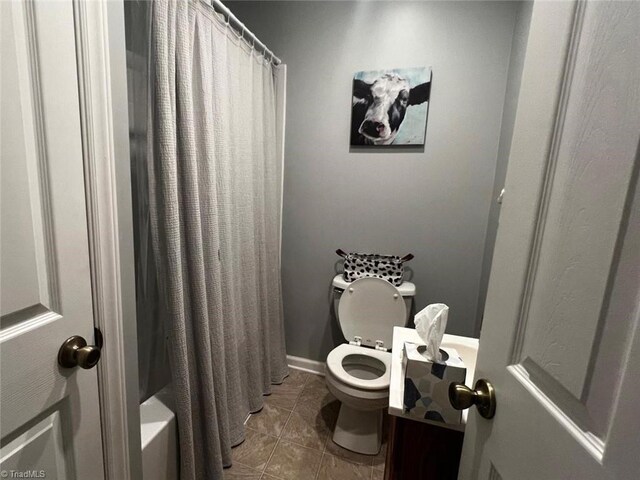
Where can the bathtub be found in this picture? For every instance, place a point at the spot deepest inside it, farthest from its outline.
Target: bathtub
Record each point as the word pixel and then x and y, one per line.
pixel 158 432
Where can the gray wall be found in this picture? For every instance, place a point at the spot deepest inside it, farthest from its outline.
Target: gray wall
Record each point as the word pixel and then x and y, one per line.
pixel 433 202
pixel 518 51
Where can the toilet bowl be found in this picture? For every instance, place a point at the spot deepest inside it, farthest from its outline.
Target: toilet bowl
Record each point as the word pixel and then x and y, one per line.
pixel 357 372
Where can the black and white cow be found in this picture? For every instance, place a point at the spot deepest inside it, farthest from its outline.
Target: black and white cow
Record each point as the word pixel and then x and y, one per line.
pixel 379 108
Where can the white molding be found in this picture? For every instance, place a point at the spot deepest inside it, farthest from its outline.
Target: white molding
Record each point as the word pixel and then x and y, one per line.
pixel 551 162
pixel 113 288
pixel 306 365
pixel 590 442
pixel 38 164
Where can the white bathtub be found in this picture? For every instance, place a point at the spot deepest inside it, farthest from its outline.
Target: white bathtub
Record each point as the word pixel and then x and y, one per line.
pixel 158 431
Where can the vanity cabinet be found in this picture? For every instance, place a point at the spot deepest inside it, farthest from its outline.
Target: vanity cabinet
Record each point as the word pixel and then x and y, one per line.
pixel 422 451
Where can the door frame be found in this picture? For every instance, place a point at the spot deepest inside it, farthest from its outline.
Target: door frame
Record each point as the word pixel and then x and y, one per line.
pixel 101 54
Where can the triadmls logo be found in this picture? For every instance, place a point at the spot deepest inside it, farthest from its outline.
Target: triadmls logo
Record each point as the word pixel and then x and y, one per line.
pixel 23 474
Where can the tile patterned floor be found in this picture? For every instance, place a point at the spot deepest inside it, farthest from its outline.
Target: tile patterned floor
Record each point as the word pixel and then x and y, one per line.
pixel 290 438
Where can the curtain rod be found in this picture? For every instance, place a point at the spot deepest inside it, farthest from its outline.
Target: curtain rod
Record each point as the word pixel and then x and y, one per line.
pixel 247 34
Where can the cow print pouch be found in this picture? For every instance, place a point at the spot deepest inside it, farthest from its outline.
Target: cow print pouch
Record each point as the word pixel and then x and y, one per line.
pixel 362 265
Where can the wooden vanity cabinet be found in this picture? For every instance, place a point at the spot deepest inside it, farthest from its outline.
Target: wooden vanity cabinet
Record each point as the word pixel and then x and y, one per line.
pixel 420 451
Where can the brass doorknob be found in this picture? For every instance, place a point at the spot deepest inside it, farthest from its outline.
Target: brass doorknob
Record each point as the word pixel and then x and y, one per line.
pixel 483 396
pixel 75 352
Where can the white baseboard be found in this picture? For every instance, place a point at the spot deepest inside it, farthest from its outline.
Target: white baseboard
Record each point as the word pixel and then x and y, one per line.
pixel 306 365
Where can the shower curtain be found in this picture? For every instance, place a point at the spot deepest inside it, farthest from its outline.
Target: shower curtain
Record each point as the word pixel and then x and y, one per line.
pixel 215 190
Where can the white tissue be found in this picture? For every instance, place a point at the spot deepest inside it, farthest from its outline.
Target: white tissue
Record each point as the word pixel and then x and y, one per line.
pixel 431 322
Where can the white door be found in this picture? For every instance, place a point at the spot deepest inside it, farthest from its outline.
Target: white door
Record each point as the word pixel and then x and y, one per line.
pixel 49 415
pixel 561 339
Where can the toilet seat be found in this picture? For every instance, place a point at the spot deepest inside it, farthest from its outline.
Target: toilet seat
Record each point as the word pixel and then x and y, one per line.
pixel 338 354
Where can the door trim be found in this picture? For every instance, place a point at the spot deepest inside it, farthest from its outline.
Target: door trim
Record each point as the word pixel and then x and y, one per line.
pixel 550 162
pixel 100 44
pixel 525 371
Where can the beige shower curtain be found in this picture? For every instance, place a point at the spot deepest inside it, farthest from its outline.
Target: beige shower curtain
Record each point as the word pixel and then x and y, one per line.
pixel 215 191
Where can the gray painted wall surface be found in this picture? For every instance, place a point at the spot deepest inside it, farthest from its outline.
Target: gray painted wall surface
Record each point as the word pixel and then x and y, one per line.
pixel 516 63
pixel 433 202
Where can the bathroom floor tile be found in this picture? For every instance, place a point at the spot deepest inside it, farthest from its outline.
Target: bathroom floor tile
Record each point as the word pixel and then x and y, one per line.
pixel 377 474
pixel 270 420
pixel 313 400
pixel 297 377
pixel 241 472
pixel 378 460
pixel 255 451
pixel 326 414
pixel 315 381
pixel 334 468
pixel 284 395
pixel 290 438
pixel 337 451
pixel 293 462
pixel 315 385
pixel 307 431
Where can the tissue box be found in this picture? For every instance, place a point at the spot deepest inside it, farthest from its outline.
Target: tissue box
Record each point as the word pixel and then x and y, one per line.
pixel 426 384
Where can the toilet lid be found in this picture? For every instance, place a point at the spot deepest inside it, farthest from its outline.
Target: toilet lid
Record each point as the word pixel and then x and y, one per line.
pixel 370 308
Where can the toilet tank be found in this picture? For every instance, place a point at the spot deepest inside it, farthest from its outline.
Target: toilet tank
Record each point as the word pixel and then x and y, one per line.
pixel 407 290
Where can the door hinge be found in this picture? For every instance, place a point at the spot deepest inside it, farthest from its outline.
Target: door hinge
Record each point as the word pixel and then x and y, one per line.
pixel 98 338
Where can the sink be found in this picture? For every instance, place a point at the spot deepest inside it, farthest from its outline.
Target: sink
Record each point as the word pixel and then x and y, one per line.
pixel 467 348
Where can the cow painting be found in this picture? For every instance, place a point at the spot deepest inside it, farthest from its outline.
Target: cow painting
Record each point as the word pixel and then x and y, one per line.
pixel 390 107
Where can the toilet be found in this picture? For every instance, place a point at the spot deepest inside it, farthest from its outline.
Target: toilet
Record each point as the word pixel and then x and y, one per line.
pixel 358 371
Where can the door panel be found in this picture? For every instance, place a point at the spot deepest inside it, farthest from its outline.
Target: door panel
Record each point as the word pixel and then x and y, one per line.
pixel 49 415
pixel 40 449
pixel 561 321
pixel 25 273
pixel 581 214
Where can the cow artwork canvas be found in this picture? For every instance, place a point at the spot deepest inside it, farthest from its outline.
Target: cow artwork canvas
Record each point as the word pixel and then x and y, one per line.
pixel 389 107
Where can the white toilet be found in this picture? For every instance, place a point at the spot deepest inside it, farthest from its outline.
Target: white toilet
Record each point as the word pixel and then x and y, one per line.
pixel 357 372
